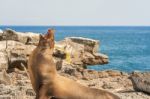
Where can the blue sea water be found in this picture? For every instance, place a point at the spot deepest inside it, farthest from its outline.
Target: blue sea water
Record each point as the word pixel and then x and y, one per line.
pixel 128 48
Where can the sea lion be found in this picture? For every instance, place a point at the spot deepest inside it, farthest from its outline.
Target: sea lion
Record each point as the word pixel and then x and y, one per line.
pixel 47 83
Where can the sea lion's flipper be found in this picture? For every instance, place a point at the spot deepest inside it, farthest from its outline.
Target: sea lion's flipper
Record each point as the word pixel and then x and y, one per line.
pixel 43 93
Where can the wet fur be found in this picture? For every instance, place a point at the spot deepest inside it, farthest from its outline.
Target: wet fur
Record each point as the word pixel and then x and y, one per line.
pixel 47 83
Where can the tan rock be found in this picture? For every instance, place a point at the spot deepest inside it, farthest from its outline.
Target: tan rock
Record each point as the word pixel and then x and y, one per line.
pixel 90 74
pixel 13 54
pixel 3 60
pixel 5 78
pixel 100 55
pixel 81 51
pixel 141 81
pixel 103 74
pixel 113 73
pixel 26 38
pixel 90 45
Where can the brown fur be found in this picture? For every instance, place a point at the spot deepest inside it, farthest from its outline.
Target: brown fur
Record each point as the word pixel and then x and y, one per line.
pixel 47 83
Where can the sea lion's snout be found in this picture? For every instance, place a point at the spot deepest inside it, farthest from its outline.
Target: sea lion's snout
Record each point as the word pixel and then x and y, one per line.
pixel 50 34
pixel 47 40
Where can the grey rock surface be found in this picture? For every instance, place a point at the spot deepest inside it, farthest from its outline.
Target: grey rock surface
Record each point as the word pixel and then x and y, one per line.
pixel 141 81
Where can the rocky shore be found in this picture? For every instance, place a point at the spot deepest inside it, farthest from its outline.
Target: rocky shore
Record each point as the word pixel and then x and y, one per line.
pixel 72 55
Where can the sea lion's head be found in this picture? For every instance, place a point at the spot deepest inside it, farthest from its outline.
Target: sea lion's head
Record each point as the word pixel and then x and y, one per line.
pixel 47 40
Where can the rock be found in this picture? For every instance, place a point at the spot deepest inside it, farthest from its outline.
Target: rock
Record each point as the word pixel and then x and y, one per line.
pixel 103 74
pixel 14 55
pixel 90 45
pixel 107 86
pixel 73 72
pixel 100 55
pixel 3 60
pixel 10 45
pixel 90 74
pixel 124 74
pixel 81 51
pixel 17 59
pixel 73 51
pixel 70 71
pixel 21 83
pixel 141 81
pixel 59 63
pixel 28 50
pixel 26 38
pixel 59 54
pixel 5 78
pixel 113 73
pixel 90 59
pixel 30 92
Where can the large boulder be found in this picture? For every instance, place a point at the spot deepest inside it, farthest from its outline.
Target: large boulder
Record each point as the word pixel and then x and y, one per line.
pixel 94 58
pixel 26 38
pixel 14 54
pixel 141 81
pixel 73 51
pixel 90 45
pixel 81 51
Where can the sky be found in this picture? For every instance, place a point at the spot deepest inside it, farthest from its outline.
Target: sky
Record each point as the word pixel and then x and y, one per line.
pixel 75 12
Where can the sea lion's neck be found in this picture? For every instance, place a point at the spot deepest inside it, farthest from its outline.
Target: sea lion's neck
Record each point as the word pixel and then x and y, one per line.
pixel 48 53
pixel 45 56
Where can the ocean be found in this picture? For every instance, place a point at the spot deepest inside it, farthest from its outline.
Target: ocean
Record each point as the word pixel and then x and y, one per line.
pixel 128 47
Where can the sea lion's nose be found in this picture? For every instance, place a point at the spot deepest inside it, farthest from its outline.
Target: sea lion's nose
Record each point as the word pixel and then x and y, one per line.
pixel 49 30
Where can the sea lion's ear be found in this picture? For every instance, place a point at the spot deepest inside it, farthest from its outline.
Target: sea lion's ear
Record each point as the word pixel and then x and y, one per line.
pixel 41 37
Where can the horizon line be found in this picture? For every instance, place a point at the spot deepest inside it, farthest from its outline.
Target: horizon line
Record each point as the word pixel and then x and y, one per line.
pixel 85 25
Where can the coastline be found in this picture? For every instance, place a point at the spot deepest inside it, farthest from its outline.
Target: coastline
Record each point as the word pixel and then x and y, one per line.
pixel 121 44
pixel 70 63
